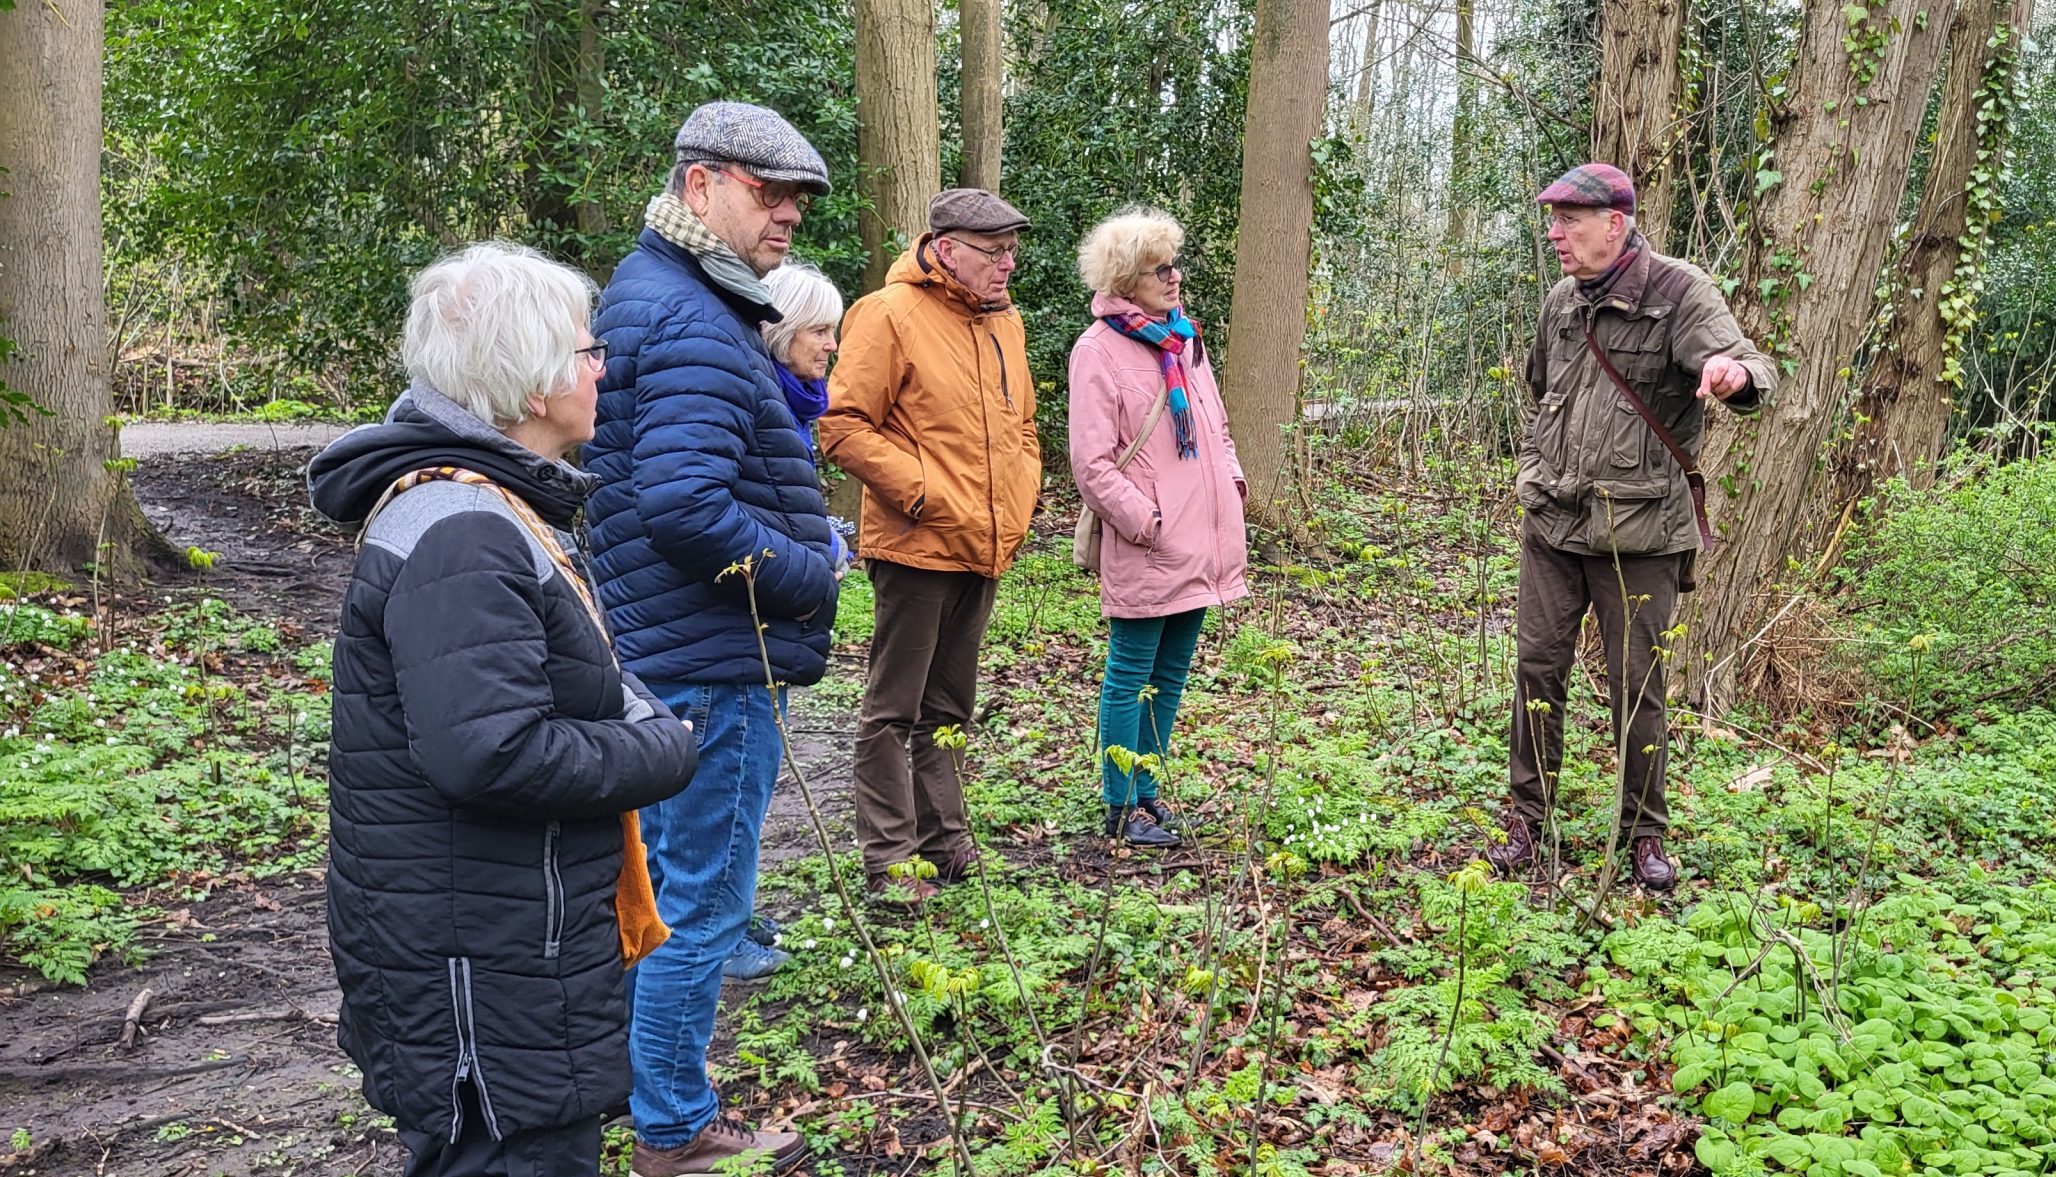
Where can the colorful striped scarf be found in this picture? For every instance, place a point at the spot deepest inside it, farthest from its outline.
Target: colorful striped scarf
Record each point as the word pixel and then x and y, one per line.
pixel 1168 337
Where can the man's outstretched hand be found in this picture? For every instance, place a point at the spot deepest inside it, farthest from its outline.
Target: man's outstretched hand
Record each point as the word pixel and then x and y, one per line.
pixel 1722 377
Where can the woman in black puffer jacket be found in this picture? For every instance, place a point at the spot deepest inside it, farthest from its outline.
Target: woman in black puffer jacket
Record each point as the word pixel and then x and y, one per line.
pixel 486 744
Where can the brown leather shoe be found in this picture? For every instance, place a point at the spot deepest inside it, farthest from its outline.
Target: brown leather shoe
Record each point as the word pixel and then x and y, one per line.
pixel 1519 848
pixel 958 864
pixel 723 1146
pixel 887 891
pixel 1652 868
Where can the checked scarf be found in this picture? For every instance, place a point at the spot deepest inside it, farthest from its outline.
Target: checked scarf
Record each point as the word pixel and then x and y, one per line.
pixel 1169 338
pixel 675 222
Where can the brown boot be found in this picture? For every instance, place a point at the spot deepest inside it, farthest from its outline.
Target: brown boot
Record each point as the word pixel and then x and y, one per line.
pixel 1518 850
pixel 958 864
pixel 910 894
pixel 721 1147
pixel 1652 868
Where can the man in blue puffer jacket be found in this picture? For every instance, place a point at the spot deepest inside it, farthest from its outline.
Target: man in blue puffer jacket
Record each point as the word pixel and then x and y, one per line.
pixel 701 467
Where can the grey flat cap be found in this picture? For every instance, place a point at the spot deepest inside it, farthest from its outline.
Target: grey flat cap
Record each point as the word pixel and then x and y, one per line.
pixel 758 139
pixel 972 210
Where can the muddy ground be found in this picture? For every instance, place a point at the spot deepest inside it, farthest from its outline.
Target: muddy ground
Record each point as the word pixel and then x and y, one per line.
pixel 229 1064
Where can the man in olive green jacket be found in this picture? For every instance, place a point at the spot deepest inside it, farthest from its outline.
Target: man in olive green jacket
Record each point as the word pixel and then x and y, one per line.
pixel 1611 523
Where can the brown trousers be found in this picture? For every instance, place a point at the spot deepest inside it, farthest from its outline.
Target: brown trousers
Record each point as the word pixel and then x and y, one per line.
pixel 1556 589
pixel 923 675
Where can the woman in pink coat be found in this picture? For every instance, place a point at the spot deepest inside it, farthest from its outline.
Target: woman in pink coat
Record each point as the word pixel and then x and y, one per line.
pixel 1172 540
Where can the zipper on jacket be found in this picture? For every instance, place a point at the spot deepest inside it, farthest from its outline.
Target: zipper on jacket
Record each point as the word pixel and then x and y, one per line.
pixel 463 1056
pixel 469 1036
pixel 985 419
pixel 1003 389
pixel 553 893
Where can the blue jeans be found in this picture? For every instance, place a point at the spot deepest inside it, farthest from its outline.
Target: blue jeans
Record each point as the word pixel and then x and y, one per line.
pixel 1142 651
pixel 703 864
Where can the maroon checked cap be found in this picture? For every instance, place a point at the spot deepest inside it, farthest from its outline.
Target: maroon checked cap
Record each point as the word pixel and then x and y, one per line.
pixel 1591 185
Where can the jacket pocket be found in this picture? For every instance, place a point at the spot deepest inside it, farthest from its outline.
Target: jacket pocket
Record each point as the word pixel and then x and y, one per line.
pixel 1626 516
pixel 553 892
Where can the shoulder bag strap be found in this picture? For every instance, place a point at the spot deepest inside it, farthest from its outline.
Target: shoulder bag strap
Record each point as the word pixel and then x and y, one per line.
pixel 1149 424
pixel 1693 479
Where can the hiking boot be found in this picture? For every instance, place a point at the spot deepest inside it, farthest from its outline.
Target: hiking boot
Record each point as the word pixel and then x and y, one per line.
pixel 1653 869
pixel 752 961
pixel 1137 828
pixel 723 1146
pixel 909 894
pixel 1519 848
pixel 1170 819
pixel 958 864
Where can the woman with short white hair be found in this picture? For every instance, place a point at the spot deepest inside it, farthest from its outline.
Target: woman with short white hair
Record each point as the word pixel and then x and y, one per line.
pixel 803 339
pixel 486 885
pixel 1154 462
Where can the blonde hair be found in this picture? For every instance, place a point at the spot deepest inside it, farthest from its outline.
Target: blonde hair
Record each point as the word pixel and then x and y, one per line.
pixel 1118 251
pixel 495 324
pixel 806 298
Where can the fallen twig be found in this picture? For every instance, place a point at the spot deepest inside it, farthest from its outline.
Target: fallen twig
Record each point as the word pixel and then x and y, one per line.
pixel 131 1021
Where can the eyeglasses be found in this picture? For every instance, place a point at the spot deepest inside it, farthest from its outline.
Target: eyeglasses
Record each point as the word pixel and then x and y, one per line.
pixel 1169 270
pixel 1564 220
pixel 770 193
pixel 1012 251
pixel 596 355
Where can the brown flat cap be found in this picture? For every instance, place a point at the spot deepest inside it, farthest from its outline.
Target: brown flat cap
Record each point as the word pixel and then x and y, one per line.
pixel 972 210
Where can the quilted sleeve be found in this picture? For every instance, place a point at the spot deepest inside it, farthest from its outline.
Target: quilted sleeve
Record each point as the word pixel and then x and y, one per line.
pixel 694 394
pixel 464 621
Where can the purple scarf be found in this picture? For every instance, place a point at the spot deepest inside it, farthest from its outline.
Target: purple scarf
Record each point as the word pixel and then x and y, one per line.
pixel 807 399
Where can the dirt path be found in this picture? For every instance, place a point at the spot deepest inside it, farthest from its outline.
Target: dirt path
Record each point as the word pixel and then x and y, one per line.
pixel 155 439
pixel 232 1067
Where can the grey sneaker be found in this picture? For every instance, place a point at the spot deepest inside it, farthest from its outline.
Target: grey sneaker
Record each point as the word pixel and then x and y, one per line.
pixel 752 961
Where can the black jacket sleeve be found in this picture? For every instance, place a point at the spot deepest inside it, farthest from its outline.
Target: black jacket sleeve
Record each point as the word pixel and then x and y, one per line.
pixel 464 622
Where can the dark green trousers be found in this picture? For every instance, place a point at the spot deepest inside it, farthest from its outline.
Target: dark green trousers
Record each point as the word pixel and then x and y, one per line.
pixel 1556 590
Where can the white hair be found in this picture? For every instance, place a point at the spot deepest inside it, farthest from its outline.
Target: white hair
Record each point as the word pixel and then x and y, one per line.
pixel 806 298
pixel 495 324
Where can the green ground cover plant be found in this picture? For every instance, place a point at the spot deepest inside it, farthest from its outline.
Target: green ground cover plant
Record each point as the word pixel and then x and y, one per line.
pixel 189 753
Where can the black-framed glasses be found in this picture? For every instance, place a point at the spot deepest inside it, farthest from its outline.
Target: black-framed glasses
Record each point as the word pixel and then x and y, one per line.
pixel 1169 270
pixel 996 252
pixel 596 355
pixel 769 193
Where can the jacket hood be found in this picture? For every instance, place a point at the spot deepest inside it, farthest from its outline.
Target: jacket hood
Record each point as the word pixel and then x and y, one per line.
pixel 919 266
pixel 425 428
pixel 1114 304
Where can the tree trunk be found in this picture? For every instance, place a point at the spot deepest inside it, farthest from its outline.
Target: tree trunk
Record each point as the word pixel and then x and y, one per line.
pixel 59 502
pixel 978 95
pixel 1635 124
pixel 1288 78
pixel 1367 77
pixel 1902 414
pixel 899 155
pixel 1831 180
pixel 1461 128
pixel 570 63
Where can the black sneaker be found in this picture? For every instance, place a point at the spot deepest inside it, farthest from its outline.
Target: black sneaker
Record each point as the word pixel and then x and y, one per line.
pixel 1168 818
pixel 1137 828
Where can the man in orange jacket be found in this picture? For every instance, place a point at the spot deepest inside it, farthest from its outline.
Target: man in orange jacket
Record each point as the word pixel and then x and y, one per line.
pixel 932 408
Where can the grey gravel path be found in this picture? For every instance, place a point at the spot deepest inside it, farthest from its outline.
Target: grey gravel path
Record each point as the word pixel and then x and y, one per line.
pixel 150 439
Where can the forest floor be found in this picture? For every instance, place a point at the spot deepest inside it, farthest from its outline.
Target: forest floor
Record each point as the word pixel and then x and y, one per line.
pixel 1319 984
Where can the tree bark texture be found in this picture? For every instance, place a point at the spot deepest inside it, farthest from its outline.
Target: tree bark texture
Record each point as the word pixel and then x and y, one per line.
pixel 1462 128
pixel 1635 123
pixel 1902 413
pixel 1288 78
pixel 58 500
pixel 978 94
pixel 1835 168
pixel 570 65
pixel 899 154
pixel 1367 77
